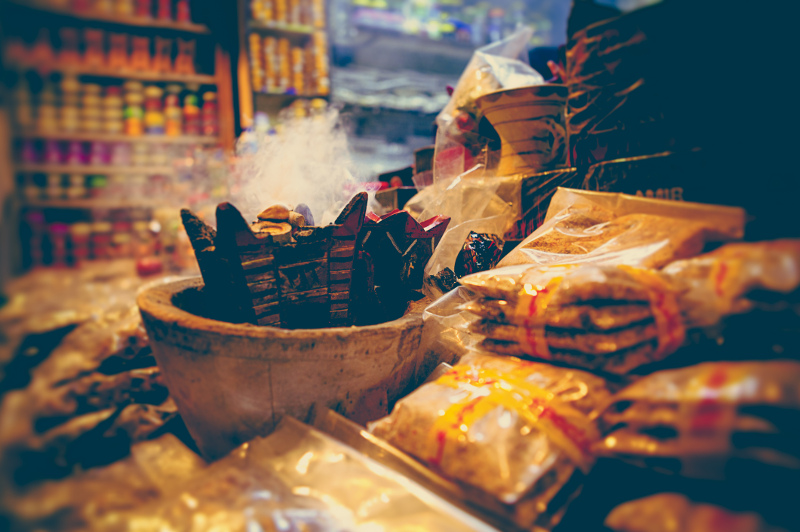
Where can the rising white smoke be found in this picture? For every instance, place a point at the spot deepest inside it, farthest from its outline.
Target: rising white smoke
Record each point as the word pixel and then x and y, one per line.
pixel 308 162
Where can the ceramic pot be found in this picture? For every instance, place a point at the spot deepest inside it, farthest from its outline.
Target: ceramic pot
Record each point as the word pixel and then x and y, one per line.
pixel 233 382
pixel 531 124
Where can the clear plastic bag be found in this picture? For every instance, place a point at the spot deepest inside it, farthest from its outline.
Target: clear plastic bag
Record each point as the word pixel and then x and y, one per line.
pixel 670 512
pixel 493 67
pixel 445 331
pixel 88 500
pixel 474 202
pixel 513 429
pixel 695 420
pixel 606 228
pixel 298 479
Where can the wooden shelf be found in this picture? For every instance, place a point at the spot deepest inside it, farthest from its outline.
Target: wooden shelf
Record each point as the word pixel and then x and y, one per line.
pixel 88 204
pixel 285 95
pixel 118 20
pixel 159 77
pixel 110 137
pixel 286 30
pixel 90 169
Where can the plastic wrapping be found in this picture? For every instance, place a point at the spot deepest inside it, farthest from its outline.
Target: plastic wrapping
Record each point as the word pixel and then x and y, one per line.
pixel 445 330
pixel 514 429
pixel 492 67
pixel 604 228
pixel 93 498
pixel 609 318
pixel 297 479
pixel 475 203
pixel 671 512
pixel 695 420
pixel 92 392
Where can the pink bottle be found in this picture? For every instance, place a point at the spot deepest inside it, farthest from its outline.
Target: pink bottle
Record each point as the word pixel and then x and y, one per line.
pixel 75 153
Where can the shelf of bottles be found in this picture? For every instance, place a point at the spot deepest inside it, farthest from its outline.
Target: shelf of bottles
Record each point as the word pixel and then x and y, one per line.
pixel 288 49
pixel 107 97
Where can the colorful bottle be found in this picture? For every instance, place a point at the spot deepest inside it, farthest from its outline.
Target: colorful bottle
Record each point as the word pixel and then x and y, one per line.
pixel 46 121
pixel 113 111
pixel 79 236
pixel 143 9
pixel 52 152
pixel 24 108
pixel 182 13
pixel 191 115
pixel 75 153
pixel 164 10
pixel 153 112
pixel 209 115
pixel 134 109
pixel 173 116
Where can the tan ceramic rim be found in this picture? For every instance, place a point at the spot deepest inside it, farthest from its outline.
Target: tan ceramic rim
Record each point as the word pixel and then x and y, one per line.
pixel 156 303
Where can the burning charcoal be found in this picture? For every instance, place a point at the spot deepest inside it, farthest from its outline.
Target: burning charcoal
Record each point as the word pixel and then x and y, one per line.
pixel 275 212
pixel 303 210
pixel 296 219
pixel 481 252
pixel 281 232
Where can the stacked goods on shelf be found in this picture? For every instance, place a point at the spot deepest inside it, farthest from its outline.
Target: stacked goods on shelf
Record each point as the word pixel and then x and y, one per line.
pixel 67 237
pixel 113 107
pixel 277 67
pixel 115 54
pixel 130 110
pixel 300 15
pixel 287 47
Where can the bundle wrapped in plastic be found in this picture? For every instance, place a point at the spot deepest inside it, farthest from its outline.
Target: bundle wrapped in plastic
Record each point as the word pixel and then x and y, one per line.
pixel 617 318
pixel 519 431
pixel 608 318
pixel 696 420
pixel 732 279
pixel 670 512
pixel 603 228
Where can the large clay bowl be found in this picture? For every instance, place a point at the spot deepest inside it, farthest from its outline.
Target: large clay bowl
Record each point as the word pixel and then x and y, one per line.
pixel 232 382
pixel 531 124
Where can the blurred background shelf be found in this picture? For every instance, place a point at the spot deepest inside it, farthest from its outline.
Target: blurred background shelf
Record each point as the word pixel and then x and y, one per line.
pixel 284 30
pixel 91 169
pixel 110 137
pixel 156 77
pixel 89 204
pixel 112 18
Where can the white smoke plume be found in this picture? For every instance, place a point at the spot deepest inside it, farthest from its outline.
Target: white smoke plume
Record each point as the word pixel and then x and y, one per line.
pixel 308 162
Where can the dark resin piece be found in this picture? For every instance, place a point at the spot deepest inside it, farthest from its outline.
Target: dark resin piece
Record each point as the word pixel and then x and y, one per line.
pixel 481 252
